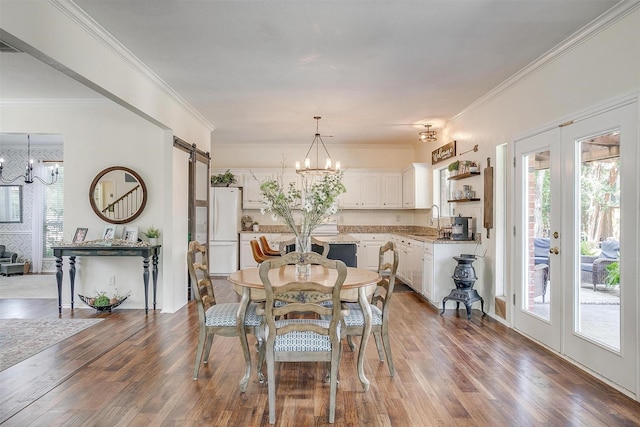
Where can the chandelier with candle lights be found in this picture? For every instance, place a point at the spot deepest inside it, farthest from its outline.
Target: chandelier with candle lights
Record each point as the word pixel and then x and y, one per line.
pixel 28 175
pixel 307 168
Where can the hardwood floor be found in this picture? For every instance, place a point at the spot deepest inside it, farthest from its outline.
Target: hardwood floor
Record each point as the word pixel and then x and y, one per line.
pixel 134 369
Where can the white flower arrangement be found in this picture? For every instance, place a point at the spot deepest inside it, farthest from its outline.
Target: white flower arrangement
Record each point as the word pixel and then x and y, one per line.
pixel 317 201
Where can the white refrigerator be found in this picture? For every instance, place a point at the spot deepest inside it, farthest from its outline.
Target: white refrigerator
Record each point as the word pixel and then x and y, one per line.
pixel 225 225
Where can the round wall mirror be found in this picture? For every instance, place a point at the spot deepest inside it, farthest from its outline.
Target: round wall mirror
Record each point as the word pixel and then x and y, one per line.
pixel 118 195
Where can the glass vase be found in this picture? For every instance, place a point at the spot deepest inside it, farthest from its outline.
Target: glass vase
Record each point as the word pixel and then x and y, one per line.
pixel 303 271
pixel 303 244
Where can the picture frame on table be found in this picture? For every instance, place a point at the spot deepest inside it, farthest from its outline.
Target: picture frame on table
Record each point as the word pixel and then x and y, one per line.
pixel 130 234
pixel 109 233
pixel 80 235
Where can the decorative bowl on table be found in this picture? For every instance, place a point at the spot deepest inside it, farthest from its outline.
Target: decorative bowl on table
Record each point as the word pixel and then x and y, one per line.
pixel 93 302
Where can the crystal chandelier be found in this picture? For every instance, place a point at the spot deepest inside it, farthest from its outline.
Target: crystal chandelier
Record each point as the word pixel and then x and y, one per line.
pixel 427 135
pixel 307 168
pixel 28 175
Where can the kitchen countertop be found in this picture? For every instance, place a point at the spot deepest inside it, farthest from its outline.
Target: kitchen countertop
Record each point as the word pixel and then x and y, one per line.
pixel 340 239
pixel 346 238
pixel 435 240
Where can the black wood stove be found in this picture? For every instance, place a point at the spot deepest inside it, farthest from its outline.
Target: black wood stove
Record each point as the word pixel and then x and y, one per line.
pixel 464 276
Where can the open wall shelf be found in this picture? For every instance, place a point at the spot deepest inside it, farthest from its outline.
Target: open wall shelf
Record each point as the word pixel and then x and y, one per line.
pixel 464 175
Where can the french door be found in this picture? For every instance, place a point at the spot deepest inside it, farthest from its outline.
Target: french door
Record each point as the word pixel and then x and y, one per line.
pixel 576 241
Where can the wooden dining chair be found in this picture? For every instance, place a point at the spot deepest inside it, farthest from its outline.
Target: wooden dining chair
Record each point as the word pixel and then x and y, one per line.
pixel 258 255
pixel 380 304
pixel 266 249
pixel 302 339
pixel 217 319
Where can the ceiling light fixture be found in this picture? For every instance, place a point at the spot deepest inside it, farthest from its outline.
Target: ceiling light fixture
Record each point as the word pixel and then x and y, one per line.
pixel 329 167
pixel 28 175
pixel 427 135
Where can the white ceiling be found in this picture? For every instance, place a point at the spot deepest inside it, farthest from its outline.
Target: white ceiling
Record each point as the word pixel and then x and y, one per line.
pixel 259 71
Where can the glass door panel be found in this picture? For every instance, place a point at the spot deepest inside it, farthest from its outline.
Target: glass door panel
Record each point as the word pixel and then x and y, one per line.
pixel 599 210
pixel 538 298
pixel 537 294
pixel 599 218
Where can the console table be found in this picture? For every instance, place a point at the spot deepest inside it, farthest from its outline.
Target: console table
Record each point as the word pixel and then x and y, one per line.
pixel 72 252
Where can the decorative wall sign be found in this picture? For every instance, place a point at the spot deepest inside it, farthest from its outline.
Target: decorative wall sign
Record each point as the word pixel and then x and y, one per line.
pixel 445 152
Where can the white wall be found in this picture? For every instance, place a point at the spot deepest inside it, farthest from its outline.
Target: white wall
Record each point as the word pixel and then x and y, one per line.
pixel 97 135
pixel 601 68
pixel 240 156
pixel 46 30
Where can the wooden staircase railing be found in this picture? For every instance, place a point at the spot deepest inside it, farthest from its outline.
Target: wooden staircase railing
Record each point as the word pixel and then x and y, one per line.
pixel 126 205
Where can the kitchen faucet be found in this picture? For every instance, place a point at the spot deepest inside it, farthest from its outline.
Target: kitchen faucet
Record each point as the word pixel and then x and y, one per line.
pixel 438 217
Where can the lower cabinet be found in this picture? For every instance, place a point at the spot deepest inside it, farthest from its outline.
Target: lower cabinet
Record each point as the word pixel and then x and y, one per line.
pixel 427 270
pixel 443 266
pixel 410 261
pixel 416 264
pixel 369 249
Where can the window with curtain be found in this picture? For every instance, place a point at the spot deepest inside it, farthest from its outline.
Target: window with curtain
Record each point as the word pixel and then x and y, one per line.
pixel 53 214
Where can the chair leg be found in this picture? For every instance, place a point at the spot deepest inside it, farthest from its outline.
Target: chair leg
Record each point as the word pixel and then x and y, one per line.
pixel 247 362
pixel 352 346
pixel 387 350
pixel 261 357
pixel 207 348
pixel 271 383
pixel 333 388
pixel 202 337
pixel 379 345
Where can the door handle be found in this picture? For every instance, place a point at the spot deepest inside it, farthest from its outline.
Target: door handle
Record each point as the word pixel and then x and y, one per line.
pixel 554 250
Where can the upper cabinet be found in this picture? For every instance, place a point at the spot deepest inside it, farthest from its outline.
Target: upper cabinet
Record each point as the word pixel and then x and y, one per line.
pixel 371 189
pixel 363 190
pixel 251 197
pixel 416 187
pixel 391 193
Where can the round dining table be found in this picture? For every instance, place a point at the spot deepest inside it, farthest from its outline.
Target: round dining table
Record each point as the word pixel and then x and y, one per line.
pixel 358 286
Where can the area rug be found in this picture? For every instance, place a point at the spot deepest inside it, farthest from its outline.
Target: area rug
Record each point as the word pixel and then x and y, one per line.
pixel 22 338
pixel 401 287
pixel 29 286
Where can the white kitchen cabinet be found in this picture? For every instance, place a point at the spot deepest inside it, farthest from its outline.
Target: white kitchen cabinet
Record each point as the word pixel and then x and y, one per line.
pixel 369 250
pixel 391 194
pixel 405 258
pixel 251 197
pixel 363 190
pixel 246 254
pixel 291 177
pixel 444 265
pixel 416 187
pixel 416 264
pixel 427 270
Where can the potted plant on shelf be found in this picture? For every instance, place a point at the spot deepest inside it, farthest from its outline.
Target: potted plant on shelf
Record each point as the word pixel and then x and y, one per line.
pixel 453 168
pixel 152 234
pixel 223 179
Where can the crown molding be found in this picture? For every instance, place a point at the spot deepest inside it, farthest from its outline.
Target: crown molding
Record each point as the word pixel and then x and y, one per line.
pixel 54 102
pixel 590 30
pixel 102 36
